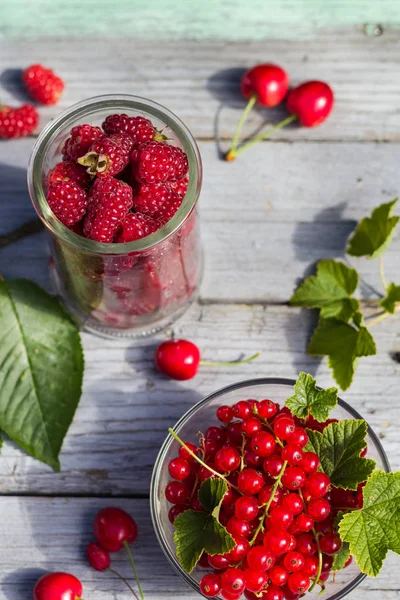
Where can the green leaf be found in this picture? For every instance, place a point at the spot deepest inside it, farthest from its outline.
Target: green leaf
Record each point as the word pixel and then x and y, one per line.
pixel 388 303
pixel 339 447
pixel 41 369
pixel 330 290
pixel 341 558
pixel 211 494
pixel 343 344
pixel 373 234
pixel 197 532
pixel 374 529
pixel 308 400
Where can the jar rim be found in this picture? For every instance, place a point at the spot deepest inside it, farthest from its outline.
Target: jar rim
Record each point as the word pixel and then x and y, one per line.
pixel 115 102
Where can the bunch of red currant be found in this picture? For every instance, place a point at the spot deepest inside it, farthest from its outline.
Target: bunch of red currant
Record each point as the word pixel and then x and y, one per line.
pixel 279 507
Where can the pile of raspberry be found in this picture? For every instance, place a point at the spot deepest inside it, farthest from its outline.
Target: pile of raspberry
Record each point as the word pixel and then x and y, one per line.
pixel 279 507
pixel 119 182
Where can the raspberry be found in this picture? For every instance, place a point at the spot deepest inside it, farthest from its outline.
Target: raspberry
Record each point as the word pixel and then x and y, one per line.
pixel 152 196
pixel 153 162
pixel 18 122
pixel 80 140
pixel 137 226
pixel 180 187
pixel 68 171
pixel 109 202
pixel 168 209
pixel 43 84
pixel 67 201
pixel 108 156
pixel 138 128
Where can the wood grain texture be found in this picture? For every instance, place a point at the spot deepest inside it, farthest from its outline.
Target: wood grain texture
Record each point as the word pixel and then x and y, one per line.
pixel 200 81
pixel 127 407
pixel 266 218
pixel 30 552
pixel 170 19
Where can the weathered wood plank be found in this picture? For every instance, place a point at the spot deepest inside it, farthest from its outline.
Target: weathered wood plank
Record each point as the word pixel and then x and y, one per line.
pixel 127 407
pixel 210 19
pixel 199 81
pixel 51 534
pixel 267 218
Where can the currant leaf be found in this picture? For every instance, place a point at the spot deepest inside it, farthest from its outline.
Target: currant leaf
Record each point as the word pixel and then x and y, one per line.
pixel 343 344
pixel 373 234
pixel 329 290
pixel 211 493
pixel 338 448
pixel 307 399
pixel 388 303
pixel 374 529
pixel 341 558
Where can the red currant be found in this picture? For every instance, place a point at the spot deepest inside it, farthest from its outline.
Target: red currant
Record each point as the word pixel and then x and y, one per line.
pixel 176 492
pixel 238 527
pixel 203 562
pixel 239 551
pixel 319 509
pixel 255 580
pixel 294 561
pixel 284 427
pixel 294 503
pixel 279 518
pixel 363 452
pixel 251 426
pixel 230 596
pixel 303 523
pixel 277 542
pixel 260 559
pixel 242 409
pixel 299 437
pixel 227 459
pixel 210 585
pixel 273 593
pixel 233 581
pixel 310 567
pixel 343 498
pixel 219 562
pixel 306 544
pixel 184 454
pixel 348 562
pixel 310 462
pixel 298 583
pixel 330 543
pixel 175 511
pixel 265 495
pixel 225 414
pixel 273 465
pixel 210 447
pixel 216 433
pixel 266 409
pixel 292 453
pixel 293 478
pixel 327 562
pixel 252 459
pixel 205 473
pixel 234 433
pixel 278 575
pixel 317 485
pixel 179 469
pixel 250 482
pixel 246 508
pixel 288 594
pixel 263 443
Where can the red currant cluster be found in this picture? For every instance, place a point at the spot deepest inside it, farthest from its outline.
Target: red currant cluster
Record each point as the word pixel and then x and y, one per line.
pixel 279 508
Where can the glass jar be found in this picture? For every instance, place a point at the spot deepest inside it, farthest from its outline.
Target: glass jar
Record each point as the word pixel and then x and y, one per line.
pixel 135 288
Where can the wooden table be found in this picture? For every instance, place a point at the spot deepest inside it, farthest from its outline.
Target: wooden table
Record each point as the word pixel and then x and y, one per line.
pixel 267 218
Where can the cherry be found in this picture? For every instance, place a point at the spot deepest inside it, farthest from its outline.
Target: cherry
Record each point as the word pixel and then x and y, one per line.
pixel 298 583
pixel 294 561
pixel 219 562
pixel 279 518
pixel 311 102
pixel 273 465
pixel 227 459
pixel 292 453
pixel 310 567
pixel 210 585
pixel 260 559
pixel 294 503
pixel 98 558
pixel 293 478
pixel 255 580
pixel 251 426
pixel 330 543
pixel 310 462
pixel 278 575
pixel 268 82
pixel 319 509
pixel 176 492
pixel 284 427
pixel 266 409
pixel 233 581
pixel 179 469
pixel 113 527
pixel 317 485
pixel 250 482
pixel 184 454
pixel 246 508
pixel 225 414
pixel 178 359
pixel 175 511
pixel 306 544
pixel 57 586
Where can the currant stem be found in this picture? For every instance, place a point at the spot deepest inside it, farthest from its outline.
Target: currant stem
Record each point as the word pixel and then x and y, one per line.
pixel 318 575
pixel 242 452
pixel 232 363
pixel 232 152
pixel 378 319
pixel 267 506
pixel 122 579
pixel 265 135
pixel 126 545
pixel 382 273
pixel 203 464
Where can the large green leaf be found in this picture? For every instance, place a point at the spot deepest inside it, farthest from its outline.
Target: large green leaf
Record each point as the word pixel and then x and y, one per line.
pixel 373 234
pixel 41 369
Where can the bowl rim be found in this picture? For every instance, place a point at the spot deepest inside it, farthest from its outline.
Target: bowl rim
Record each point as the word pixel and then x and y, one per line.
pixel 186 417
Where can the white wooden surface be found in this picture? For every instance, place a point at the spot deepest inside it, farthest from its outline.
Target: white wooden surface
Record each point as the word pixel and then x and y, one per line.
pixel 266 219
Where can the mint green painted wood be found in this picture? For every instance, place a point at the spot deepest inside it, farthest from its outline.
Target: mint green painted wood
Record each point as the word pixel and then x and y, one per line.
pixel 191 19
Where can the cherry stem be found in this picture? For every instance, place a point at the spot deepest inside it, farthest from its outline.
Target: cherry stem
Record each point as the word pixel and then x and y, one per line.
pixel 232 363
pixel 318 575
pixel 203 464
pixel 239 127
pixel 382 272
pixel 126 545
pixel 262 136
pixel 114 572
pixel 267 506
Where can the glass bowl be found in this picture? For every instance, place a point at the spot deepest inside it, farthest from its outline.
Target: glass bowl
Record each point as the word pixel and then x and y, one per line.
pixel 199 418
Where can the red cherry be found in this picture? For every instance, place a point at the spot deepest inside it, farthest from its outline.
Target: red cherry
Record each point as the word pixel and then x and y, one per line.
pixel 327 562
pixel 288 594
pixel 112 527
pixel 210 585
pixel 57 586
pixel 252 459
pixel 268 82
pixel 98 558
pixel 178 359
pixel 230 596
pixel 216 433
pixel 255 580
pixel 311 102
pixel 234 433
